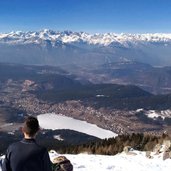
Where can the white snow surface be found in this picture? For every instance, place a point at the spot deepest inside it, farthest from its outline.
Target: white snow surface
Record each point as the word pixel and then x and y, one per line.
pixel 56 121
pixel 155 114
pixel 119 162
pixel 71 37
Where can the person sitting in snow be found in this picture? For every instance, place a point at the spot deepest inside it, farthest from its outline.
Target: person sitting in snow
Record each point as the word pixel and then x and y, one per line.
pixel 27 155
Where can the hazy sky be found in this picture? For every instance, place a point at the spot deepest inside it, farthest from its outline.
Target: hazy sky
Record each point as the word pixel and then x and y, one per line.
pixel 128 16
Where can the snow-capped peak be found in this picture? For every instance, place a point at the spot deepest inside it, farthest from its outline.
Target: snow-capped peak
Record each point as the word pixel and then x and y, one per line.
pixel 71 37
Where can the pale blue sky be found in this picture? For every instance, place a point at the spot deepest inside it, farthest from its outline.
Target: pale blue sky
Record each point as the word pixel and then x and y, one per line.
pixel 128 16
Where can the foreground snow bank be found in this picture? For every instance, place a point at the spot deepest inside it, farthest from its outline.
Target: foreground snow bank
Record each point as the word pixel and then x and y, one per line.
pixel 120 162
pixel 137 161
pixel 55 121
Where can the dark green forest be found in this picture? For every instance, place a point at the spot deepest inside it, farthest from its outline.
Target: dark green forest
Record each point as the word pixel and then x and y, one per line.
pixel 75 143
pixel 112 146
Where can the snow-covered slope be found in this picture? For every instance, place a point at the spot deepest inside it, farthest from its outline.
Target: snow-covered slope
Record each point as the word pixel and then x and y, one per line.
pixel 135 161
pixel 54 121
pixel 119 162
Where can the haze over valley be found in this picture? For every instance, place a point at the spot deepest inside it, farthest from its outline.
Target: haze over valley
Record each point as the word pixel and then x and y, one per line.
pixel 30 89
pixel 110 80
pixel 48 47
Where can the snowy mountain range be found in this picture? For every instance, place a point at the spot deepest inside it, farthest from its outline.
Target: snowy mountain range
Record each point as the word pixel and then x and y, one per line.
pixel 80 48
pixel 105 39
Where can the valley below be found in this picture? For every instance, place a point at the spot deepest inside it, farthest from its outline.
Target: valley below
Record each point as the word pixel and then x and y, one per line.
pixel 118 121
pixel 27 95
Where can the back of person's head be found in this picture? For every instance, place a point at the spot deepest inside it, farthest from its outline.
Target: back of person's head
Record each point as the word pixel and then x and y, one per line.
pixel 31 126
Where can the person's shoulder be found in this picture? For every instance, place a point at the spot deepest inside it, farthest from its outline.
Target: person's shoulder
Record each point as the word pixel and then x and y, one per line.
pixel 14 145
pixel 43 150
pixel 41 147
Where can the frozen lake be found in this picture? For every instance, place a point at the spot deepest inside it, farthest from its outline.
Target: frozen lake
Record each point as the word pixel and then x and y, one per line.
pixel 56 121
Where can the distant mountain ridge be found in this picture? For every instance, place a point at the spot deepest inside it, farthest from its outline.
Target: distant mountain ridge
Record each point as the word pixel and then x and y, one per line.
pixel 83 49
pixel 152 79
pixel 69 37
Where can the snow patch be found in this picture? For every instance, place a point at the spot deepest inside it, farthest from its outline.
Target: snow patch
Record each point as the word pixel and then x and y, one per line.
pixel 155 114
pixel 58 137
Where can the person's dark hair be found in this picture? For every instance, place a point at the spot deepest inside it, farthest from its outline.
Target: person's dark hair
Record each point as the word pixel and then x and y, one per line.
pixel 31 126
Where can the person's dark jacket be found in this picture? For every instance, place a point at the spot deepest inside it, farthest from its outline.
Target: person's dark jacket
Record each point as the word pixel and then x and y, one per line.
pixel 26 155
